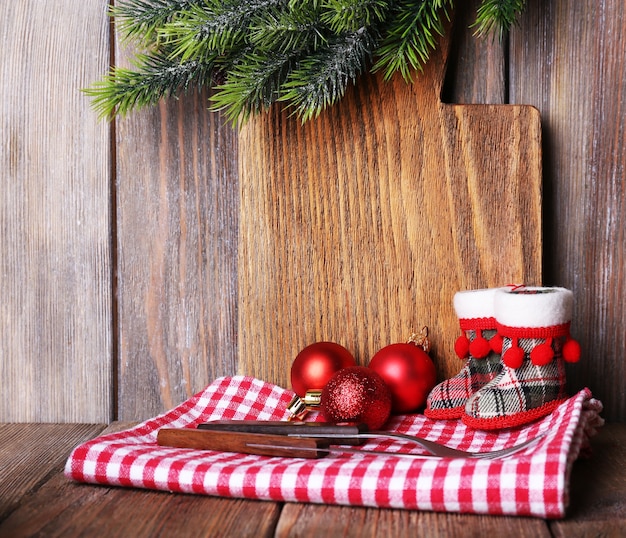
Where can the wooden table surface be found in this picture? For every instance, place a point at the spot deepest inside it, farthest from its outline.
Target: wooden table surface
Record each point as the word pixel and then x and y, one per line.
pixel 37 499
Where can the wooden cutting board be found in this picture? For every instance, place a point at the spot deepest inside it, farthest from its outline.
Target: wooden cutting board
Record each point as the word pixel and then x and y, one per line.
pixel 360 226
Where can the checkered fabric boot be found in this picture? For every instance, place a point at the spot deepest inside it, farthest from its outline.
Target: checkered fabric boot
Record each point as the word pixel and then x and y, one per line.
pixel 534 324
pixel 479 347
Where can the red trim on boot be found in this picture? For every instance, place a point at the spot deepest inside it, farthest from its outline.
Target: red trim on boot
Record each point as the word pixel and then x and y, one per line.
pixel 512 421
pixel 534 332
pixel 445 414
pixel 474 324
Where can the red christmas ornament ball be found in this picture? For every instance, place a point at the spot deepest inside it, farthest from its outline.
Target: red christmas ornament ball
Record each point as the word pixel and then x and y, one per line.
pixel 409 373
pixel 315 365
pixel 356 394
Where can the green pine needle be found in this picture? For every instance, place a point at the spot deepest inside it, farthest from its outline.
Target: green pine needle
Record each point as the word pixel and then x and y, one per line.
pixel 304 53
pixel 321 79
pixel 410 37
pixel 220 26
pixel 350 15
pixel 251 86
pixel 140 20
pixel 154 78
pixel 497 16
pixel 282 31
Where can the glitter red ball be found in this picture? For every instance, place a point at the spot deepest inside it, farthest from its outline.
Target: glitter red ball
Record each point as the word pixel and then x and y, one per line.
pixel 356 394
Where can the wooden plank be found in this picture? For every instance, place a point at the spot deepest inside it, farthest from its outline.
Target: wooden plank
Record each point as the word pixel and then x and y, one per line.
pixel 598 489
pixel 55 284
pixel 177 215
pixel 360 226
pixel 64 508
pixel 323 520
pixel 568 58
pixel 31 453
pixel 476 71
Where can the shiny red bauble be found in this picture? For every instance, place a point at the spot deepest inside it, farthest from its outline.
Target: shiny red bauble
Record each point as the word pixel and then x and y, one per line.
pixel 409 373
pixel 316 364
pixel 356 394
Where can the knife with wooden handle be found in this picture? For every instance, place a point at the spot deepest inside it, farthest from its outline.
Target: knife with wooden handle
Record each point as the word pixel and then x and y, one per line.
pixel 264 444
pixel 246 443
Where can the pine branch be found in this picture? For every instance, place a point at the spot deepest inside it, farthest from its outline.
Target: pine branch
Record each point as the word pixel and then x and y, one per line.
pixel 350 15
pixel 497 16
pixel 411 36
pixel 252 85
pixel 215 25
pixel 301 52
pixel 288 30
pixel 154 78
pixel 140 19
pixel 321 79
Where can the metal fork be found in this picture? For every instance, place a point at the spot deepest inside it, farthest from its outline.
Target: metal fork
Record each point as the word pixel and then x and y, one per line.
pixel 435 449
pixel 342 434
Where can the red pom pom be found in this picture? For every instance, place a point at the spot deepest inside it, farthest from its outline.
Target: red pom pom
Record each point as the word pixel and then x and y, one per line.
pixel 542 354
pixel 356 394
pixel 571 350
pixel 461 347
pixel 479 347
pixel 496 343
pixel 513 357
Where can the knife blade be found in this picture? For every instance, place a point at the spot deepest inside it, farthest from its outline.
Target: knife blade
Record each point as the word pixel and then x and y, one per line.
pixel 341 434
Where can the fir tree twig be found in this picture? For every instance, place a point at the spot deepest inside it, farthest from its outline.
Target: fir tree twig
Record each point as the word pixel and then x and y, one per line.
pixel 410 37
pixel 301 52
pixel 497 16
pixel 321 79
pixel 154 78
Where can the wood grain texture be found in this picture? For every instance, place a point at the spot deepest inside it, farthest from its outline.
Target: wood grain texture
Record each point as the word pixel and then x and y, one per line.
pixel 598 496
pixel 60 507
pixel 476 70
pixel 360 226
pixel 55 228
pixel 30 453
pixel 568 58
pixel 323 520
pixel 177 214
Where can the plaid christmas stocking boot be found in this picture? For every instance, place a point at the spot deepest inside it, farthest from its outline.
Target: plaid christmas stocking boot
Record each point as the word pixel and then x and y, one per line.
pixel 479 347
pixel 534 324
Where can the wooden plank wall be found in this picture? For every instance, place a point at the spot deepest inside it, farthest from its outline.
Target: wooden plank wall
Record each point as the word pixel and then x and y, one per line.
pixel 56 354
pixel 118 244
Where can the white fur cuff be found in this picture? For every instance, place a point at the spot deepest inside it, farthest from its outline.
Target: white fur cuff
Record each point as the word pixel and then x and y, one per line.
pixel 473 304
pixel 533 306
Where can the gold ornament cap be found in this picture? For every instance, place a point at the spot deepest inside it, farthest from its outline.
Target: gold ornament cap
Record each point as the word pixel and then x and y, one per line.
pixel 300 407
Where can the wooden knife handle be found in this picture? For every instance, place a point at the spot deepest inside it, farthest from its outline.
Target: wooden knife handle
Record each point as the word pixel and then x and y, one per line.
pixel 246 443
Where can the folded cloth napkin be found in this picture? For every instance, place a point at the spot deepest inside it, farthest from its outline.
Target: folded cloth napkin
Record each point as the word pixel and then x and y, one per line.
pixel 534 482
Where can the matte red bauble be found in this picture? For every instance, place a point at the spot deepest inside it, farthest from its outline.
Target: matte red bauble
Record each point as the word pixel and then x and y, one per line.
pixel 409 373
pixel 316 364
pixel 356 394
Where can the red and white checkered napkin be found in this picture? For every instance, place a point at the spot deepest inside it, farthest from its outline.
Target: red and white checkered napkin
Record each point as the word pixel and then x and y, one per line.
pixel 533 482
